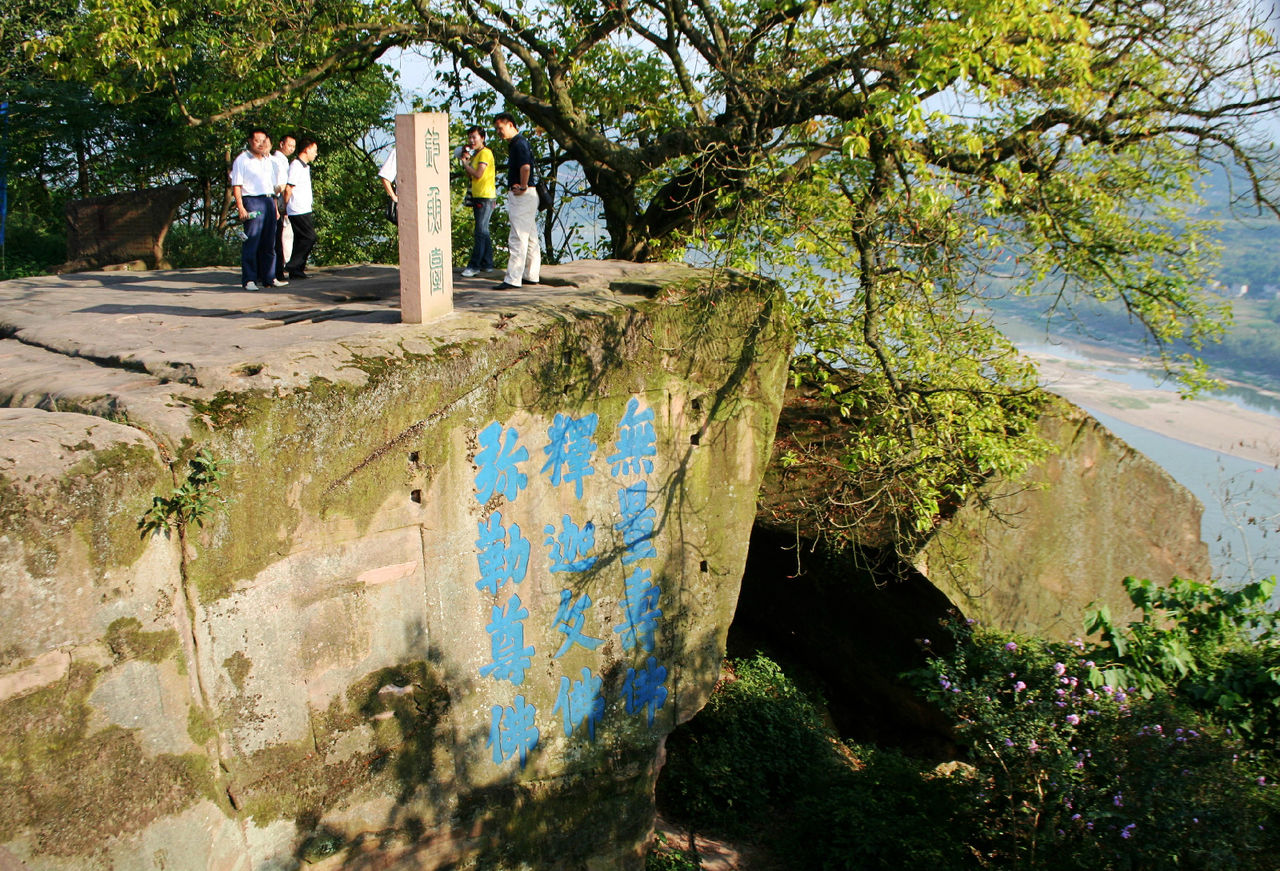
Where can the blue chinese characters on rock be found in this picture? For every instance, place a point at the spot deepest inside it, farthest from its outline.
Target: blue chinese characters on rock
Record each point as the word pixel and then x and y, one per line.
pixel 503 555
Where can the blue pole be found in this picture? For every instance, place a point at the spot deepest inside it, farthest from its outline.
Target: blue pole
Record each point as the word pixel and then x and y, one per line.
pixel 4 169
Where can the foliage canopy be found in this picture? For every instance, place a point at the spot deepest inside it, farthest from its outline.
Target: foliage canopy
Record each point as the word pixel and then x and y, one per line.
pixel 886 158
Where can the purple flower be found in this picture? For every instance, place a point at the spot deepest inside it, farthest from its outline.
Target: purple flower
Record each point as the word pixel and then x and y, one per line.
pixel 1010 646
pixel 1019 687
pixel 1059 669
pixel 1033 746
pixel 1073 719
pixel 1127 831
pixel 1118 799
pixel 1262 781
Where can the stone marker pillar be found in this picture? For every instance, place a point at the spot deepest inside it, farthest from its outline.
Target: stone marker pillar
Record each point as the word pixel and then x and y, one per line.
pixel 422 184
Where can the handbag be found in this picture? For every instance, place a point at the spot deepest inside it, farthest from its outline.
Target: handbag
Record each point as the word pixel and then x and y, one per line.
pixel 544 196
pixel 393 211
pixel 468 202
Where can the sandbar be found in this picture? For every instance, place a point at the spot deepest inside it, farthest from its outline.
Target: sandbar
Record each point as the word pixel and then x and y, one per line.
pixel 1208 422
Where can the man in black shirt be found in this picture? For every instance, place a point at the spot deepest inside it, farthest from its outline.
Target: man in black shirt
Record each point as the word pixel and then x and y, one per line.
pixel 524 255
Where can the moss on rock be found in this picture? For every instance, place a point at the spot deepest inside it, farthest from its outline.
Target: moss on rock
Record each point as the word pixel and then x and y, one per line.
pixel 394 713
pixel 127 640
pixel 97 499
pixel 68 789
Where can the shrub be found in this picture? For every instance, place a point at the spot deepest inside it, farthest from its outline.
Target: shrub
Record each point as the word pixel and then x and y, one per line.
pixel 1076 777
pixel 883 812
pixel 1217 650
pixel 754 748
pixel 30 249
pixel 759 762
pixel 189 246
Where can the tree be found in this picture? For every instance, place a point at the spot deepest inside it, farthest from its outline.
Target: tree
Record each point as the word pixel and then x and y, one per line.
pixel 887 157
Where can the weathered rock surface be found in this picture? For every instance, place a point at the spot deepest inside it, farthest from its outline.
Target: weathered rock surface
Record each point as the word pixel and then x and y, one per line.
pixel 1031 555
pixel 459 581
pixel 120 228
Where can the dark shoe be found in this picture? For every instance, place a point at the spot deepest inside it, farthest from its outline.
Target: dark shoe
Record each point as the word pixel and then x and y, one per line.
pixel 505 286
pixel 298 276
pixel 527 282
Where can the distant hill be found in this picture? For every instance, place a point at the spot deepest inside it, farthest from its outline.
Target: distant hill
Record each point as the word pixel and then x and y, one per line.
pixel 1250 352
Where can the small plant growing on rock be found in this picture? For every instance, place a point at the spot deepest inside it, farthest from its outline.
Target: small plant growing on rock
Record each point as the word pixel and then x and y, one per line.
pixel 189 503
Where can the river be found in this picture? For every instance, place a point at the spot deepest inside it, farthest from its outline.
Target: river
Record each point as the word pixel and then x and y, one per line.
pixel 1224 448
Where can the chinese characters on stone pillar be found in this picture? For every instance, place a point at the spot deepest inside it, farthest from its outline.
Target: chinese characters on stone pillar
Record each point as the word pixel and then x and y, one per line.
pixel 422 183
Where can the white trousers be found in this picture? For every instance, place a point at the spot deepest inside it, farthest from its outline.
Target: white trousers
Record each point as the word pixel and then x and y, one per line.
pixel 524 254
pixel 286 241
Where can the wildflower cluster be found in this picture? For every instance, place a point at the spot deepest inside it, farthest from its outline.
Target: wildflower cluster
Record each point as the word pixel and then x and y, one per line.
pixel 1091 774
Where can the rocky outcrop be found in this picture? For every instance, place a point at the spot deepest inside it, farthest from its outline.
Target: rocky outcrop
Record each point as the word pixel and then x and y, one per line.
pixel 1032 555
pixel 1025 556
pixel 118 229
pixel 402 596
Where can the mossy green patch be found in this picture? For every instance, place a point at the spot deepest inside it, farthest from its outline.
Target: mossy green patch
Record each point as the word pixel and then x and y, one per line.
pixel 200 728
pixel 126 640
pixel 238 667
pixel 228 408
pixel 68 789
pixel 98 499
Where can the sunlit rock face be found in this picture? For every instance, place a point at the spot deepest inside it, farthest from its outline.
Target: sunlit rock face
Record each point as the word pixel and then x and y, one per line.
pixel 454 585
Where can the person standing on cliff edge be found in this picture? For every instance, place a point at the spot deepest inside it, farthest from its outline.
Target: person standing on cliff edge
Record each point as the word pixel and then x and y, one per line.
pixel 477 161
pixel 298 203
pixel 524 255
pixel 253 183
pixel 284 232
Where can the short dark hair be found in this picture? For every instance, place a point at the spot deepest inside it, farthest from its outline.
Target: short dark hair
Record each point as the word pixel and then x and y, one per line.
pixel 287 135
pixel 304 144
pixel 255 131
pixel 474 129
pixel 505 116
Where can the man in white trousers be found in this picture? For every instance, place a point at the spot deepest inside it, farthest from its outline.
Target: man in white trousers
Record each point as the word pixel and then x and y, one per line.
pixel 524 255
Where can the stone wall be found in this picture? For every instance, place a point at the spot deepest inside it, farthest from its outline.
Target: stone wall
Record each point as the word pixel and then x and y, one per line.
pixel 451 597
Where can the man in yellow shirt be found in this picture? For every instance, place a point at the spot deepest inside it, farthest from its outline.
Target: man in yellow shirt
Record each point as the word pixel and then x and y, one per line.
pixel 477 160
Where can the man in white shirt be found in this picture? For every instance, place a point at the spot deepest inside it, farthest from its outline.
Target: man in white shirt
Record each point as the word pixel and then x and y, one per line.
pixel 388 174
pixel 253 180
pixel 298 205
pixel 284 233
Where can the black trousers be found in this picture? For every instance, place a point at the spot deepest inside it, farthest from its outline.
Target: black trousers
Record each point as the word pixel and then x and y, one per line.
pixel 304 239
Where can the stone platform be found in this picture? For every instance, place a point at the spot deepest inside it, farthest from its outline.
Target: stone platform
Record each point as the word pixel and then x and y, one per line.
pixel 126 344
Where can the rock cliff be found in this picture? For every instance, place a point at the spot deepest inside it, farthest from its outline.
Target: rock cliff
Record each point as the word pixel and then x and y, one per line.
pixel 1026 555
pixel 413 596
